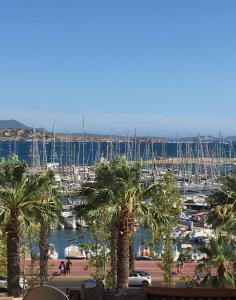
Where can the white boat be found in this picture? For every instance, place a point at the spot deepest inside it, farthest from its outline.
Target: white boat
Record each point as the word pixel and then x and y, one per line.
pixel 75 252
pixel 191 253
pixel 69 219
pixel 52 252
pixel 199 235
pixel 175 253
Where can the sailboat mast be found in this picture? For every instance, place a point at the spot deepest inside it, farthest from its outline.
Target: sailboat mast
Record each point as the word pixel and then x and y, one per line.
pixel 83 145
pixel 135 145
pixel 53 145
pixel 44 160
pixel 35 152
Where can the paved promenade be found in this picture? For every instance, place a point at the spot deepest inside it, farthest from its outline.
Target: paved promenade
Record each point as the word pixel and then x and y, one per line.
pixel 152 267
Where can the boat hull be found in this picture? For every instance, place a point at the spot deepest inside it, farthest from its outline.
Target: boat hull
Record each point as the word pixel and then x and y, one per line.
pixel 74 252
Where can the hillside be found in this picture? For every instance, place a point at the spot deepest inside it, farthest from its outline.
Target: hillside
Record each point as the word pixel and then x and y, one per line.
pixel 11 124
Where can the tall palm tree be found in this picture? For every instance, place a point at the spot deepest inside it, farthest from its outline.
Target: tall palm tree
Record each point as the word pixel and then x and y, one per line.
pixel 218 254
pixel 223 204
pixel 14 192
pixel 46 213
pixel 98 207
pixel 19 197
pixel 117 191
pixel 28 235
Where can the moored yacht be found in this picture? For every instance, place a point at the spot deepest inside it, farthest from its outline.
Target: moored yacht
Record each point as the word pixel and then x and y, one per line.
pixel 144 253
pixel 52 252
pixel 74 252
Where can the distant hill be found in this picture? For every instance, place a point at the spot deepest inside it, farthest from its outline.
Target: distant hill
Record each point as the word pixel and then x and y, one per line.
pixel 231 138
pixel 11 124
pixel 93 134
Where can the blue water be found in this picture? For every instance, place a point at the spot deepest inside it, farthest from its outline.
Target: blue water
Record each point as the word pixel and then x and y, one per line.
pixel 61 238
pixel 88 153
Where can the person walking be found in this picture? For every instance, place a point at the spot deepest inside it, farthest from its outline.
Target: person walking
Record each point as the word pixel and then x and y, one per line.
pixel 197 278
pixel 181 260
pixel 62 267
pixel 178 266
pixel 68 266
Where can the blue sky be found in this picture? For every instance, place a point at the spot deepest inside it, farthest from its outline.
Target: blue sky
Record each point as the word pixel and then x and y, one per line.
pixel 159 67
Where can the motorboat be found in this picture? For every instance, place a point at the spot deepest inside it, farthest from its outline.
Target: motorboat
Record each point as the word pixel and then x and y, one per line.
pixel 69 219
pixel 143 253
pixel 73 251
pixel 175 252
pixel 198 236
pixel 180 233
pixel 190 253
pixel 52 253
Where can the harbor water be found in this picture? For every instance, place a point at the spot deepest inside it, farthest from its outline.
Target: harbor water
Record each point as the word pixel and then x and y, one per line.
pixel 61 238
pixel 88 153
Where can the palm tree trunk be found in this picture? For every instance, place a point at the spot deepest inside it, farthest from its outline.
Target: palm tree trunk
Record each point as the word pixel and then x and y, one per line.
pixel 13 258
pixel 131 253
pixel 31 259
pixel 220 272
pixel 43 259
pixel 123 250
pixel 131 243
pixel 114 237
pixel 31 256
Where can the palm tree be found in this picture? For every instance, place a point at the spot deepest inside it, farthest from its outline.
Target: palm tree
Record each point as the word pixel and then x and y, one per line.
pixel 15 197
pixel 28 235
pixel 118 193
pixel 46 213
pixel 19 198
pixel 223 204
pixel 98 208
pixel 218 254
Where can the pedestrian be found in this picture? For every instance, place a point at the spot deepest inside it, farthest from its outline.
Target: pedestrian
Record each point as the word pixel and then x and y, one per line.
pixel 62 267
pixel 178 266
pixel 68 266
pixel 181 260
pixel 197 277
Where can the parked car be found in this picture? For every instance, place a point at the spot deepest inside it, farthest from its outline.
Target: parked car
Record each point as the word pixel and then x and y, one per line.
pixel 3 283
pixel 140 272
pixel 136 278
pixel 140 278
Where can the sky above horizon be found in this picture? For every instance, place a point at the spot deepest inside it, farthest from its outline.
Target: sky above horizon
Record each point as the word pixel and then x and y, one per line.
pixel 159 67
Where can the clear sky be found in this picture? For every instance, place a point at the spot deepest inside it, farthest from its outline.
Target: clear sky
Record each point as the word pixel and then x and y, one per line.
pixel 157 66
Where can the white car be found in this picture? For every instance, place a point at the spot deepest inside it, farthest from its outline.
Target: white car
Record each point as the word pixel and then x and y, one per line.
pixel 140 278
pixel 3 283
pixel 136 278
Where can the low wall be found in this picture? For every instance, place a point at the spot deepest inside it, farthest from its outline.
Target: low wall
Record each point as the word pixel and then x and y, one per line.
pixel 161 293
pixel 96 294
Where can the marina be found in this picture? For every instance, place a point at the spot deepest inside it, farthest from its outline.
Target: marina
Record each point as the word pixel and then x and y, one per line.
pixel 196 167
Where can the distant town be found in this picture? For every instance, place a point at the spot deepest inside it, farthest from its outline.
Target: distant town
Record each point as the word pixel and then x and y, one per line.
pixel 14 130
pixel 40 134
